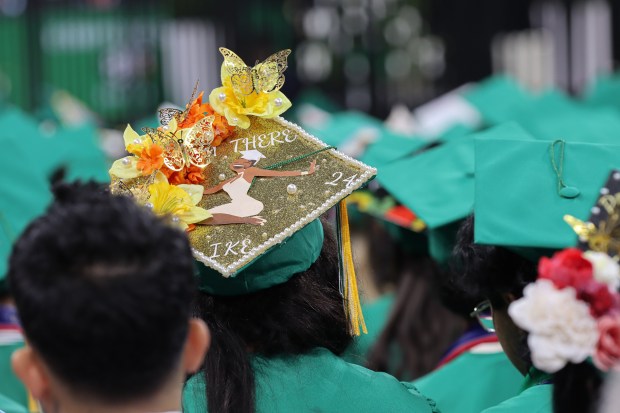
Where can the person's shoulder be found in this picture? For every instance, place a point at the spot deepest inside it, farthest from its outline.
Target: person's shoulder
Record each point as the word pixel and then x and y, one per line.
pixel 536 399
pixel 375 391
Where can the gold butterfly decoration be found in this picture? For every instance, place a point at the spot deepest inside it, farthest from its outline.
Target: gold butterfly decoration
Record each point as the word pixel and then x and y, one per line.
pixel 185 147
pixel 138 189
pixel 264 77
pixel 167 114
pixel 604 237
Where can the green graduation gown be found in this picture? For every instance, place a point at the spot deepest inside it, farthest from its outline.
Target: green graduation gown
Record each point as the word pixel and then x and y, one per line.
pixel 10 386
pixel 9 406
pixel 318 382
pixel 536 396
pixel 472 382
pixel 375 314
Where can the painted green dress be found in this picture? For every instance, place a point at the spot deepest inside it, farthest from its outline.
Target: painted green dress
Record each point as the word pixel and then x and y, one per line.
pixel 536 396
pixel 318 382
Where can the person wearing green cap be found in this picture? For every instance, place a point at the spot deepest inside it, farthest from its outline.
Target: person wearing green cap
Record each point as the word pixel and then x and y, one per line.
pixel 104 292
pixel 543 185
pixel 278 327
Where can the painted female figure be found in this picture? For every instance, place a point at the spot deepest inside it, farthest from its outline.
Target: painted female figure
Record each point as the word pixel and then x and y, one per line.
pixel 243 209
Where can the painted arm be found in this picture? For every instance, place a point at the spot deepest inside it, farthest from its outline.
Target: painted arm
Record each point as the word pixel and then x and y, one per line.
pixel 267 172
pixel 217 188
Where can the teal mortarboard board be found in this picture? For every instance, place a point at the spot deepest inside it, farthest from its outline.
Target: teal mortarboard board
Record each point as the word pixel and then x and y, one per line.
pixel 554 115
pixel 25 194
pixel 79 151
pixel 604 92
pixel 74 148
pixel 496 99
pixel 524 188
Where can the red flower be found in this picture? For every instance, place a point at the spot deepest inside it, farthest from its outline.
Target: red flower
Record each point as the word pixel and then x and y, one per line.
pixel 597 295
pixel 567 268
pixel 607 354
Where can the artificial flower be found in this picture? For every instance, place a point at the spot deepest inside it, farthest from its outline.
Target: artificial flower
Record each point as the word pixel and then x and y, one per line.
pixel 236 106
pixel 567 268
pixel 607 354
pixel 151 159
pixel 222 130
pixel 606 269
pixel 177 201
pixel 188 175
pixel 560 326
pixel 598 296
pixel 146 157
pixel 196 111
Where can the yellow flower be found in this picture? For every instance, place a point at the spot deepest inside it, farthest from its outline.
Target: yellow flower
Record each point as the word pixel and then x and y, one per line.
pixel 177 201
pixel 236 107
pixel 145 157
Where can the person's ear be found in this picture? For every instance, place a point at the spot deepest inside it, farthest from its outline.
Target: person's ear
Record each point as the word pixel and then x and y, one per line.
pixel 29 369
pixel 196 345
pixel 509 298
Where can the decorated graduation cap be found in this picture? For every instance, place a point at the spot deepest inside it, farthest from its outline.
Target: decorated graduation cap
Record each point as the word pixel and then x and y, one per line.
pixel 252 224
pixel 524 188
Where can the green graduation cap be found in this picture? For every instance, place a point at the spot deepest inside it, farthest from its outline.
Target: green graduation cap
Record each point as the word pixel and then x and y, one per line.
pixel 497 98
pixel 25 194
pixel 441 192
pixel 524 188
pixel 442 188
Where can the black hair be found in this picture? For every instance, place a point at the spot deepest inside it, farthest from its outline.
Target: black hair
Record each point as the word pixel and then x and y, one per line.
pixel 490 271
pixel 420 327
pixel 487 270
pixel 295 317
pixel 103 289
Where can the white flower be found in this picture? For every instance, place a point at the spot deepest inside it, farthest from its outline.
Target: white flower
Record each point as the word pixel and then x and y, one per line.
pixel 560 326
pixel 606 269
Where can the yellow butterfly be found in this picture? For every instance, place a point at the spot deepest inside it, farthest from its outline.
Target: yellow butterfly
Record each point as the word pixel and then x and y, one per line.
pixel 264 77
pixel 184 147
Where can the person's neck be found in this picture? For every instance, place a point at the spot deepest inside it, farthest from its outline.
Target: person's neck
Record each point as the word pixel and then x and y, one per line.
pixel 166 401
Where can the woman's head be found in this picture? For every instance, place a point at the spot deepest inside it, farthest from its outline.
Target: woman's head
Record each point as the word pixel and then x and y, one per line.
pixel 295 317
pixel 241 164
pixel 499 275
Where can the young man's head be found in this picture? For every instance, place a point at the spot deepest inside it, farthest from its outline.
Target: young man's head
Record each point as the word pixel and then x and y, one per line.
pixel 104 291
pixel 499 275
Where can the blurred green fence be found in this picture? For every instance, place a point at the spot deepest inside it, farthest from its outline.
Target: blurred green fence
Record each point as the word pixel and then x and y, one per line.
pixel 109 58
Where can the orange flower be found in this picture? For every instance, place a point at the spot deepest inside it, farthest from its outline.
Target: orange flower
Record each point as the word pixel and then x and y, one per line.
pixel 196 112
pixel 188 175
pixel 222 130
pixel 151 159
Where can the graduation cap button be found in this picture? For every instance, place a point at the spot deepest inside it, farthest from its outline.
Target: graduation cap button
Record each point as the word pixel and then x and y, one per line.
pixel 569 192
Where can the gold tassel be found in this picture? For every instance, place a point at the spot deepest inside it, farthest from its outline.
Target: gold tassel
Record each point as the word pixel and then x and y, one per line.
pixel 33 405
pixel 351 294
